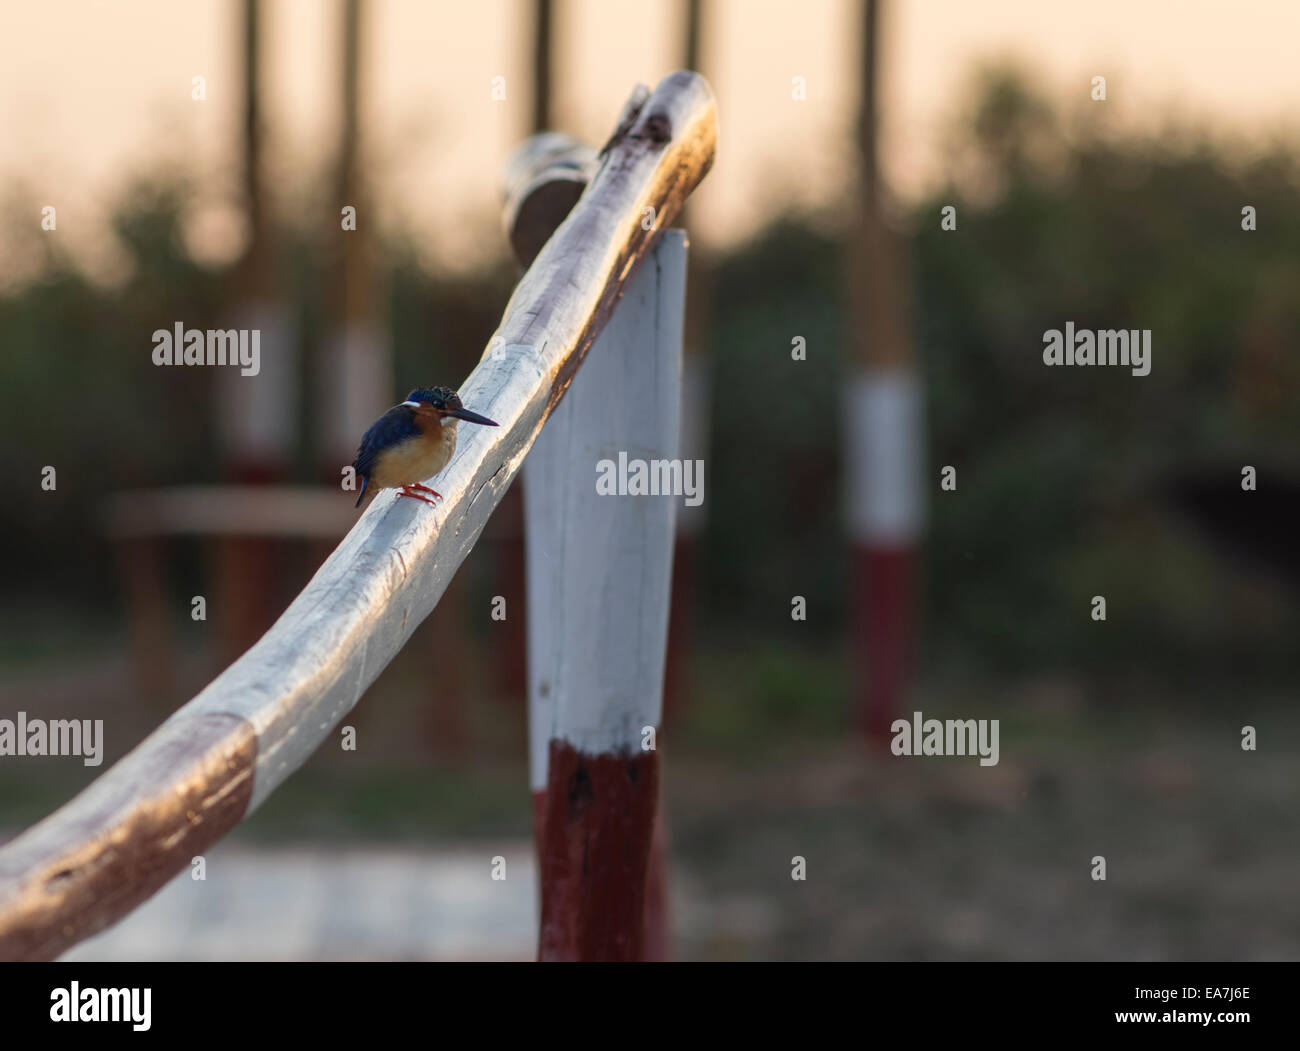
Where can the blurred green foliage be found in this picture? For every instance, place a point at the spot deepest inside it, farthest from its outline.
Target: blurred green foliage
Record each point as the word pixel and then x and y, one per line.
pixel 1058 469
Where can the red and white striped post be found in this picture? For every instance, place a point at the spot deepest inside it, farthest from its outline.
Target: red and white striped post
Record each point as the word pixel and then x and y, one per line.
pixel 599 576
pixel 355 382
pixel 257 415
pixel 883 409
pixel 884 458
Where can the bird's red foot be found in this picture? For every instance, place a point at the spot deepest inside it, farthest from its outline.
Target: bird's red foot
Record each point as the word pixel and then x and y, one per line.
pixel 406 491
pixel 424 488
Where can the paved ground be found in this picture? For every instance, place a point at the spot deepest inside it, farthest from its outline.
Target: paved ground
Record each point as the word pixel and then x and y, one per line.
pixel 335 904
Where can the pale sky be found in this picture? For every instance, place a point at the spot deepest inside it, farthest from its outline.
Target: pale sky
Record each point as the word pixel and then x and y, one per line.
pixel 92 91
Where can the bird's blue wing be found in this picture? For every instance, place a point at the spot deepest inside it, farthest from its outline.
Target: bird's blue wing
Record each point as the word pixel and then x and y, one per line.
pixel 393 427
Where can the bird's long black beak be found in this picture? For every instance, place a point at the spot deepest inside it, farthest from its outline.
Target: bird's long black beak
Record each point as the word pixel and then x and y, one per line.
pixel 471 417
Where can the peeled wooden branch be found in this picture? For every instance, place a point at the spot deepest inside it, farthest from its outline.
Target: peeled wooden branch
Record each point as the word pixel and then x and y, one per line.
pixel 219 756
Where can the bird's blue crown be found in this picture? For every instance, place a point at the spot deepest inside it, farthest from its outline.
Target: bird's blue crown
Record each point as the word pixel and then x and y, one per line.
pixel 440 397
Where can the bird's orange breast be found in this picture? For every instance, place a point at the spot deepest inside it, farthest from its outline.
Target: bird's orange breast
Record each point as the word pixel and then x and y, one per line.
pixel 416 459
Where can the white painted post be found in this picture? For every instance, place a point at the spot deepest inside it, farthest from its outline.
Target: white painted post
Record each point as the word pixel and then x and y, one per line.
pixel 599 576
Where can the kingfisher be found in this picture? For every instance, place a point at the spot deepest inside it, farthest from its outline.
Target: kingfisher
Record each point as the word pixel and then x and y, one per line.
pixel 411 441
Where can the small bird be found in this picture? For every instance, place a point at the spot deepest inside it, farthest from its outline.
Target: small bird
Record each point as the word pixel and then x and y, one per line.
pixel 411 441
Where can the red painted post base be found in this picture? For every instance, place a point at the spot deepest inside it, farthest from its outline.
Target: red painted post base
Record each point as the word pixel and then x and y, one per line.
pixel 141 565
pixel 248 571
pixel 658 919
pixel 884 628
pixel 539 820
pixel 596 834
